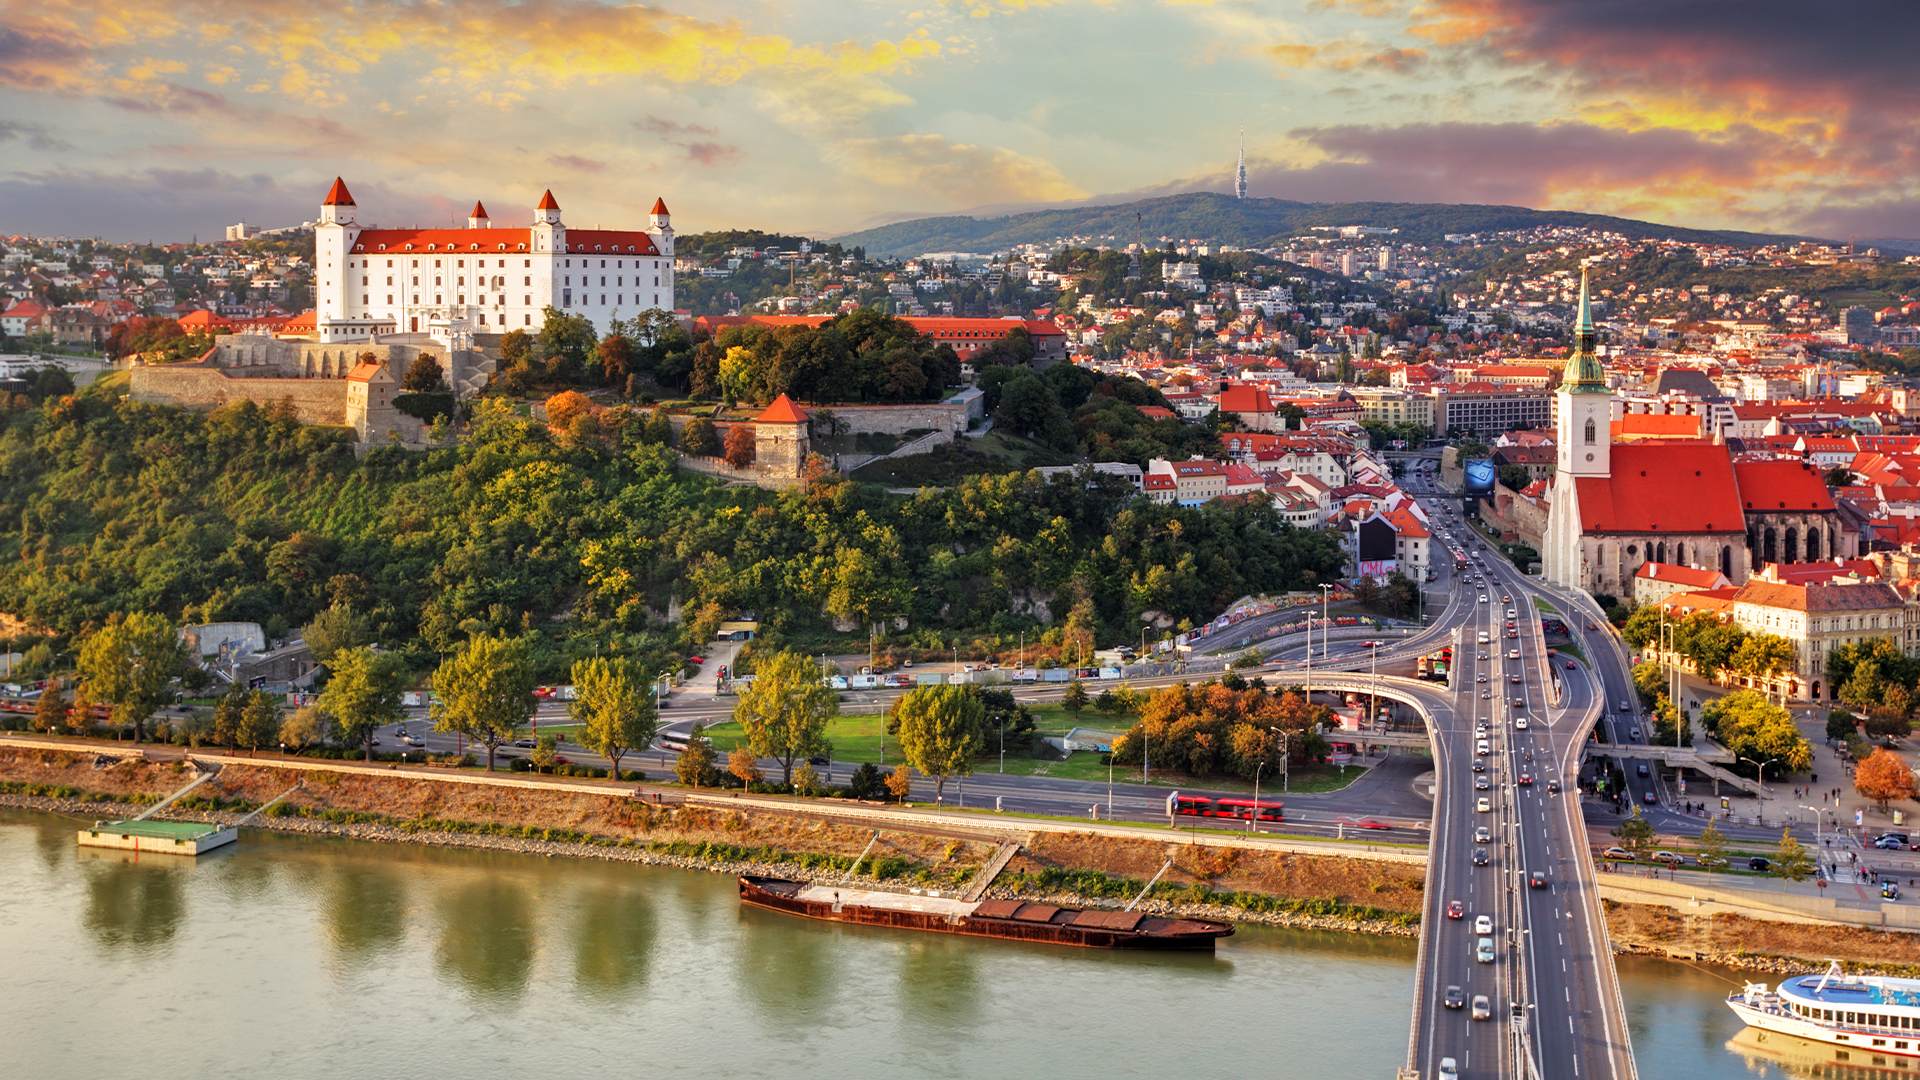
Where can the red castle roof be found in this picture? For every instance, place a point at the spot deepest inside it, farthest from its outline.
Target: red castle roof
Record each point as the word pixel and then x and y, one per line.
pixel 479 210
pixel 782 411
pixel 660 207
pixel 547 203
pixel 337 195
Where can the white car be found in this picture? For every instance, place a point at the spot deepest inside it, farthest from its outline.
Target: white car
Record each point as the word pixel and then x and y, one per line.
pixel 1449 1069
pixel 1483 806
pixel 1483 925
pixel 1483 598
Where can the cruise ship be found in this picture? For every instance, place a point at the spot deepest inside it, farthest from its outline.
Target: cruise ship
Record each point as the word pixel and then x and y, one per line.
pixel 1863 1012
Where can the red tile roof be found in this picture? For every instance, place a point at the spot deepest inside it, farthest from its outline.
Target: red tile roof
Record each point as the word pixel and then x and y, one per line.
pixel 365 371
pixel 1159 482
pixel 1240 398
pixel 494 241
pixel 782 411
pixel 1668 573
pixel 337 194
pixel 1663 488
pixel 660 207
pixel 547 203
pixel 479 209
pixel 1781 485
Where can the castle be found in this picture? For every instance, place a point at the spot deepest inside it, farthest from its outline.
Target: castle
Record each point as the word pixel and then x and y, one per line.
pixel 369 282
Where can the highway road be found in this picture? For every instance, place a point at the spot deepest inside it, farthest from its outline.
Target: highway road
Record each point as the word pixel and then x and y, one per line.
pixel 1550 955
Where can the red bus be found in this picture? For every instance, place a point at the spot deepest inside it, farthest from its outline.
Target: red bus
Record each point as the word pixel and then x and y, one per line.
pixel 1238 809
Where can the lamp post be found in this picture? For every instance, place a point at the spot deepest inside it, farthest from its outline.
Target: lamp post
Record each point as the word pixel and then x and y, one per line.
pixel 1816 828
pixel 1252 817
pixel 1762 766
pixel 1286 744
pixel 1326 590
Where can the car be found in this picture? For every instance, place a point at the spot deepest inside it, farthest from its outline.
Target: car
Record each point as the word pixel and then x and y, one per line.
pixel 1571 665
pixel 1483 598
pixel 1513 654
pixel 1633 733
pixel 1479 766
pixel 1449 1069
pixel 1650 798
pixel 1641 769
pixel 1513 678
pixel 1519 723
pixel 1511 614
pixel 1483 835
pixel 1484 658
pixel 1507 600
pixel 1483 950
pixel 906 663
pixel 1519 703
pixel 1483 924
pixel 1617 854
pixel 1456 998
pixel 1553 787
pixel 1590 626
pixel 1456 910
pixel 1888 843
pixel 696 660
pixel 1526 780
pixel 1482 677
pixel 1509 624
pixel 1481 857
pixel 1624 707
pixel 1483 805
pixel 1760 864
pixel 1897 837
pixel 1480 783
pixel 1536 879
pixel 1666 858
pixel 412 740
pixel 1482 1008
pixel 1486 694
pixel 1710 860
pixel 1513 633
pixel 526 744
pixel 819 759
pixel 1366 823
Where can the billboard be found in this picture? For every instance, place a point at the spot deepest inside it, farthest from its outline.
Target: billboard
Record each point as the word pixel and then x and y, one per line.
pixel 1480 475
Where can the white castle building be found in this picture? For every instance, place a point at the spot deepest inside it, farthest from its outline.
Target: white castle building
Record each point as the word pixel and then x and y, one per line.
pixel 481 279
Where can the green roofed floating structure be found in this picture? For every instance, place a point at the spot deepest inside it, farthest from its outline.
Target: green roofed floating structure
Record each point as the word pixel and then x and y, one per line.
pixel 170 837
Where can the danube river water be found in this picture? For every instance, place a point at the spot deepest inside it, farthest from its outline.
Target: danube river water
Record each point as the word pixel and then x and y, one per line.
pixel 293 957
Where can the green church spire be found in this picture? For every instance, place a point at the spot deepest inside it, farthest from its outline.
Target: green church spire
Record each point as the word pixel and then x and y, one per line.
pixel 1584 374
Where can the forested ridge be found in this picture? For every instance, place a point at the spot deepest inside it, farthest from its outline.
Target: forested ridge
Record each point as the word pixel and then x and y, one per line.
pixel 244 514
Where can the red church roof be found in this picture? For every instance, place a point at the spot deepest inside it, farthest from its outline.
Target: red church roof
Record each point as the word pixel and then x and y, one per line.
pixel 782 411
pixel 1782 485
pixel 1663 488
pixel 337 195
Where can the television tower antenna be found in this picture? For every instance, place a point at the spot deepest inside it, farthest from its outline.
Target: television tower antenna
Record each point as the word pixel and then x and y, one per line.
pixel 1240 173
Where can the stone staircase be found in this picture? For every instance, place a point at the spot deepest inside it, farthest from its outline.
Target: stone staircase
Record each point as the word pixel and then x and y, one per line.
pixel 990 871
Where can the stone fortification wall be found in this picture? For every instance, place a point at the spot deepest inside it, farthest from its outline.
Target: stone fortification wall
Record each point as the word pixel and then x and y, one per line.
pixel 899 419
pixel 756 474
pixel 193 386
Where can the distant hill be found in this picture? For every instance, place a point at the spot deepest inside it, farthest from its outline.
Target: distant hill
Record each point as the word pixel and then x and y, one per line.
pixel 1244 223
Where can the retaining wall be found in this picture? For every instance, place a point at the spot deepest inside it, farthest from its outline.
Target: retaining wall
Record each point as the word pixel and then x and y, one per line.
pixel 1699 899
pixel 186 386
pixel 899 419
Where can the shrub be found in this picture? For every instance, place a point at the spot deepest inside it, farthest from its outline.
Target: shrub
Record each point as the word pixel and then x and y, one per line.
pixel 425 406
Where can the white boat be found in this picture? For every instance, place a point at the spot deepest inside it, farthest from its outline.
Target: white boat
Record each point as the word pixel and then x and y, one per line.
pixel 1862 1012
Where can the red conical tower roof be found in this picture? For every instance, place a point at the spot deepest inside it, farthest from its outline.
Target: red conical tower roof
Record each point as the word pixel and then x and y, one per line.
pixel 337 195
pixel 547 203
pixel 479 210
pixel 782 411
pixel 660 207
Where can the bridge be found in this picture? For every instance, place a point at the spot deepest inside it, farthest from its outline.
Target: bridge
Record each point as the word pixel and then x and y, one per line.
pixel 1553 994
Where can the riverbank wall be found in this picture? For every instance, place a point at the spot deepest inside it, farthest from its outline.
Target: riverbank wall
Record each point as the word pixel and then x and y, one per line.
pixel 1080 865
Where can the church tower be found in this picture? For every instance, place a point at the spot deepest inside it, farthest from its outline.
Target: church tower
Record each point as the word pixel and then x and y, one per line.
pixel 1583 413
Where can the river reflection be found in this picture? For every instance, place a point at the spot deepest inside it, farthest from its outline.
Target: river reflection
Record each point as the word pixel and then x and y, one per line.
pixel 293 957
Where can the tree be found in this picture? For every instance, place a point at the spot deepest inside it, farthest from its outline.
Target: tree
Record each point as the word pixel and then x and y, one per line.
pixel 616 357
pixel 545 752
pixel 1838 476
pixel 805 780
pixel 51 710
pixel 260 720
pixel 699 438
pixel 1790 860
pixel 564 338
pixel 485 691
pixel 694 766
pixel 940 731
pixel 1713 847
pixel 424 375
pixel 740 445
pixel 1075 699
pixel 565 405
pixel 1842 725
pixel 1883 777
pixel 1635 834
pixel 1752 727
pixel 785 710
pixel 515 347
pixel 614 703
pixel 227 715
pixel 363 694
pixel 130 664
pixel 1762 656
pixel 337 628
pixel 743 765
pixel 305 727
pixel 658 430
pixel 900 782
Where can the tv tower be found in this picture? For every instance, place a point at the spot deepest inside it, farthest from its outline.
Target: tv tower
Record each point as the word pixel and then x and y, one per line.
pixel 1240 174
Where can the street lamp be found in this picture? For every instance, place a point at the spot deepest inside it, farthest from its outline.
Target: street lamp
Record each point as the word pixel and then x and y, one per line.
pixel 1252 817
pixel 1816 828
pixel 1326 590
pixel 1762 766
pixel 1286 744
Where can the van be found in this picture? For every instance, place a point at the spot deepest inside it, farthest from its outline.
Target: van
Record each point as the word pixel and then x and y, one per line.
pixel 1482 748
pixel 1483 637
pixel 1520 723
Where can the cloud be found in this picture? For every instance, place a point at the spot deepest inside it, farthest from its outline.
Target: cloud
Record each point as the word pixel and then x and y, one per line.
pixel 707 152
pixel 672 129
pixel 955 174
pixel 38 56
pixel 33 135
pixel 577 164
pixel 173 204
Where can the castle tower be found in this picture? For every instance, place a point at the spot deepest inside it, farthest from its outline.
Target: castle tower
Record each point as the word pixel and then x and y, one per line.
pixel 548 233
pixel 780 438
pixel 1583 413
pixel 337 208
pixel 660 227
pixel 478 219
pixel 1240 174
pixel 333 237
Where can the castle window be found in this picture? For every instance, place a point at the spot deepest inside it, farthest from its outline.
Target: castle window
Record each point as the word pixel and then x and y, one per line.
pixel 522 247
pixel 389 264
pixel 462 263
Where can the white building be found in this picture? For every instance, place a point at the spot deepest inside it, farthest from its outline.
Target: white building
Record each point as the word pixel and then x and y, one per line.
pixel 486 280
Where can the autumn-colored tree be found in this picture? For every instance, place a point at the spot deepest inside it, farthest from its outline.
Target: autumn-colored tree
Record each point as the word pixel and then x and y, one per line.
pixel 694 766
pixel 1883 777
pixel 564 406
pixel 51 710
pixel 743 765
pixel 699 438
pixel 583 430
pixel 740 445
pixel 616 357
pixel 900 782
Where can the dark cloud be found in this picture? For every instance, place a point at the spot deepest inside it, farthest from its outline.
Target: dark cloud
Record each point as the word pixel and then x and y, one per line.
pixel 173 100
pixel 168 205
pixel 38 60
pixel 33 135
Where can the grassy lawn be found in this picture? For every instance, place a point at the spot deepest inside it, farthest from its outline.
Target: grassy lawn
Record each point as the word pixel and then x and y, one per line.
pixel 1570 649
pixel 1541 603
pixel 991 454
pixel 855 738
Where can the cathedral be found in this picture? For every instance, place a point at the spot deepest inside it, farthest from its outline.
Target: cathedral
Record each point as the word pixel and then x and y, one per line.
pixel 369 282
pixel 1685 502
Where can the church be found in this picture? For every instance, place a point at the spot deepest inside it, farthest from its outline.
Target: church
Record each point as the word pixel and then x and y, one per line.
pixel 1686 502
pixel 370 282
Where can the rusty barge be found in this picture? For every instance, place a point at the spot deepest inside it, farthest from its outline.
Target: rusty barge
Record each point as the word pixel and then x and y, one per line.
pixel 1012 919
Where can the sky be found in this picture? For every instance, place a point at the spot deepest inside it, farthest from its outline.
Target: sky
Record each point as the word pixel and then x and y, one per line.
pixel 161 120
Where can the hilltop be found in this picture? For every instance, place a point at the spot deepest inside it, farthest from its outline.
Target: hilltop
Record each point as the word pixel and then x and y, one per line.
pixel 1248 223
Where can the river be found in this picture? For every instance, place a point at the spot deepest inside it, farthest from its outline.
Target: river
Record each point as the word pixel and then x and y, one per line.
pixel 288 957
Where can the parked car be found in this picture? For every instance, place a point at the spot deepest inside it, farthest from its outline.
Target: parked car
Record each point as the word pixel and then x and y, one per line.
pixel 1617 854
